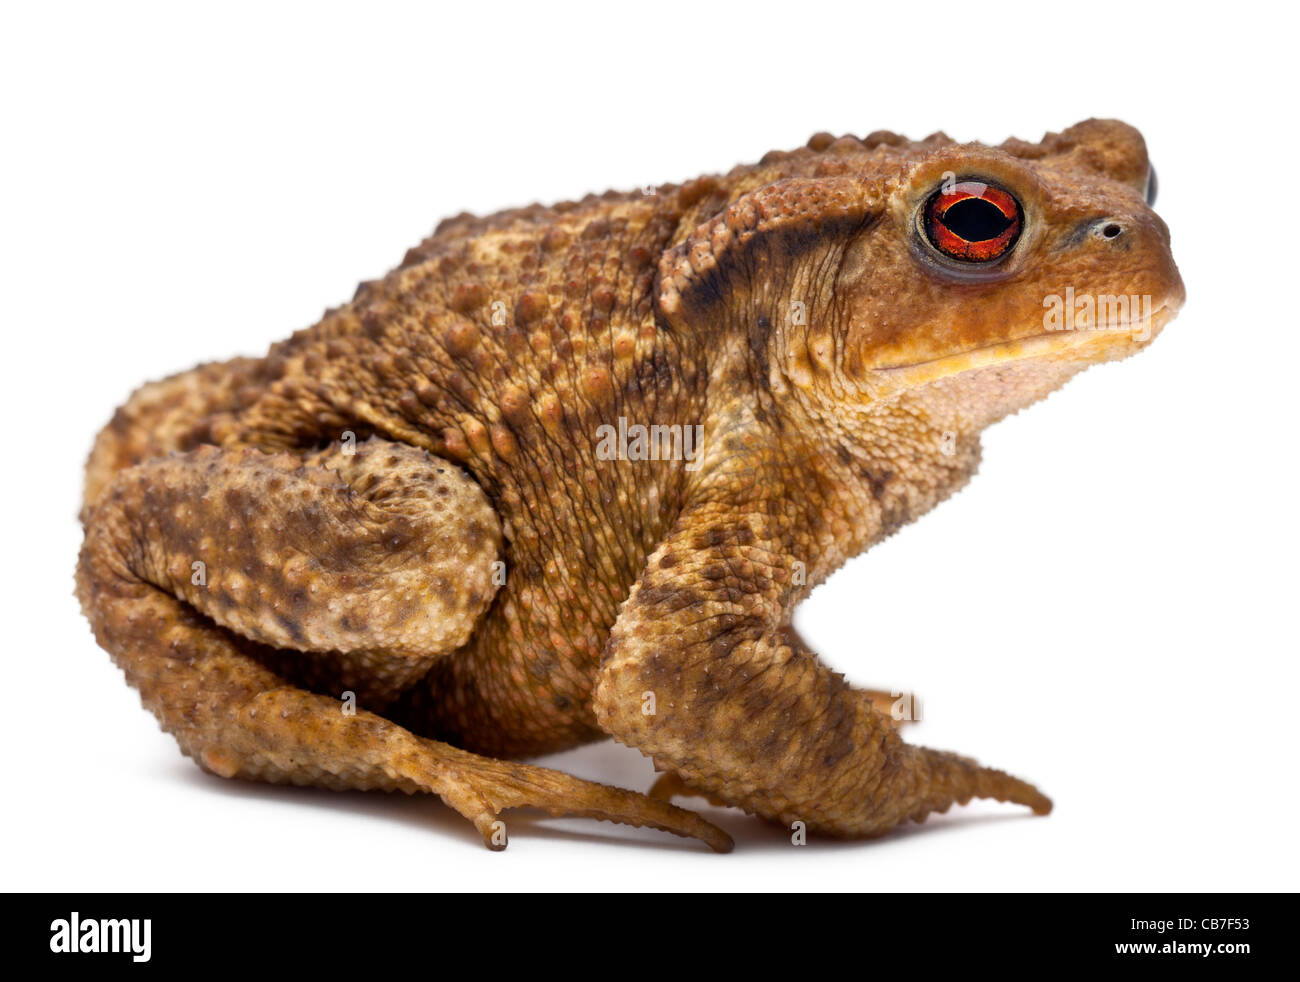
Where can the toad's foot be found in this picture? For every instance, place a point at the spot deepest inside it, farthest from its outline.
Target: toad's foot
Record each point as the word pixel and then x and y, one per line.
pixel 284 735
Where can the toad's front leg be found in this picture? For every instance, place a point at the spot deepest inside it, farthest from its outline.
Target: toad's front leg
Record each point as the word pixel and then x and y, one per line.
pixel 703 673
pixel 199 571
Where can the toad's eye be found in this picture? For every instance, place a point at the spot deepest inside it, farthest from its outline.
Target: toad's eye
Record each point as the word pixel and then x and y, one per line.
pixel 972 222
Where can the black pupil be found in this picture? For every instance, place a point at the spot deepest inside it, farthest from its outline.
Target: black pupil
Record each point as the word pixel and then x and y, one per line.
pixel 976 220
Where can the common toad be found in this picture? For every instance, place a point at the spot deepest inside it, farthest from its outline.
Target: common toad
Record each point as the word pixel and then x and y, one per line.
pixel 566 472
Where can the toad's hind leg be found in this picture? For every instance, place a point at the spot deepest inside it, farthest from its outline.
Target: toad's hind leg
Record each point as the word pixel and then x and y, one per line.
pixel 201 570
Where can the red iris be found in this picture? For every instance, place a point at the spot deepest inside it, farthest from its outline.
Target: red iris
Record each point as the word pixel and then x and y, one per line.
pixel 973 222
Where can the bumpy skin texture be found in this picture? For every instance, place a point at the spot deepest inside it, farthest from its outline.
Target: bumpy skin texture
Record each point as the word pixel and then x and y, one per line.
pixel 407 501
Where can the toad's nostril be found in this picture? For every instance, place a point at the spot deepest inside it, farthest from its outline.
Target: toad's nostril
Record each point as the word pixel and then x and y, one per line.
pixel 1112 230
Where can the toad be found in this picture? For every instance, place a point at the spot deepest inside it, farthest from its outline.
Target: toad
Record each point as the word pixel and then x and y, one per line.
pixel 565 473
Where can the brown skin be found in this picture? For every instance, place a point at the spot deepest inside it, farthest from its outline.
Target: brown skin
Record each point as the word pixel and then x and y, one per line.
pixel 353 496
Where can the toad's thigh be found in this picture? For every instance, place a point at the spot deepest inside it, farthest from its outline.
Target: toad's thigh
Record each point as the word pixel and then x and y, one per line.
pixel 352 567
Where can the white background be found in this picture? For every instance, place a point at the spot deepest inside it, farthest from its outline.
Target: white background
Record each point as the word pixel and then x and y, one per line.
pixel 1108 610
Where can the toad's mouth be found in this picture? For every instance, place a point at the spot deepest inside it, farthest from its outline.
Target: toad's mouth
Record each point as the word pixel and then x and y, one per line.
pixel 1087 345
